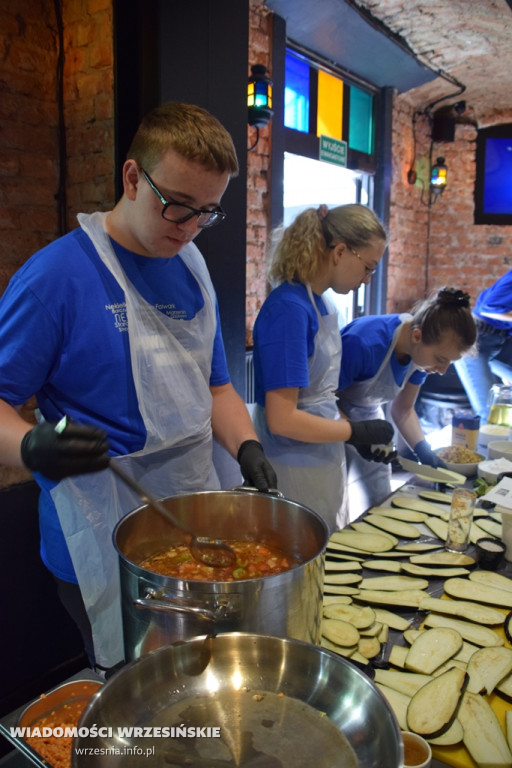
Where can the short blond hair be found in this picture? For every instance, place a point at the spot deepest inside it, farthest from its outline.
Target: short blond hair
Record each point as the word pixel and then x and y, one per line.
pixel 304 245
pixel 190 131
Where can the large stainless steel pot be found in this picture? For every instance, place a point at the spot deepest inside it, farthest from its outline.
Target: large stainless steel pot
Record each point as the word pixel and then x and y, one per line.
pixel 277 702
pixel 158 610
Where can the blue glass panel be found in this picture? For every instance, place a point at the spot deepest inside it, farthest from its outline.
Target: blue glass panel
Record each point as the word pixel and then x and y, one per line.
pixel 361 124
pixel 296 94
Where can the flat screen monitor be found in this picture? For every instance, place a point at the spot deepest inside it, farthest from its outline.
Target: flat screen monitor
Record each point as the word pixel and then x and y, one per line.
pixel 493 186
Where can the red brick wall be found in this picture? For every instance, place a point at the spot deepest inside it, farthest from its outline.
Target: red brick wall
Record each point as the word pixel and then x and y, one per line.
pixel 258 162
pixel 453 250
pixel 29 137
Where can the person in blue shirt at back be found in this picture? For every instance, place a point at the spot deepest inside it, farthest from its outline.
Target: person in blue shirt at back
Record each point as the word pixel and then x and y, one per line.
pixel 115 326
pixel 385 359
pixel 492 361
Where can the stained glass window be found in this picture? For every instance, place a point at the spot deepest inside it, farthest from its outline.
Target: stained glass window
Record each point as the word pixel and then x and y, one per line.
pixel 361 123
pixel 296 94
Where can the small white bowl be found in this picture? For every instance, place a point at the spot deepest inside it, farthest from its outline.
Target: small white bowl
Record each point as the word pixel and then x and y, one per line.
pixel 417 751
pixel 492 468
pixel 500 449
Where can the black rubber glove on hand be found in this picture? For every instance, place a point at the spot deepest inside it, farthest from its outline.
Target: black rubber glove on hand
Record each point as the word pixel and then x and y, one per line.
pixel 426 455
pixel 76 450
pixel 368 433
pixel 256 469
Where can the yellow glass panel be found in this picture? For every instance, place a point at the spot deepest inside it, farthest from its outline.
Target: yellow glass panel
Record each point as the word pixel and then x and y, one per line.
pixel 330 105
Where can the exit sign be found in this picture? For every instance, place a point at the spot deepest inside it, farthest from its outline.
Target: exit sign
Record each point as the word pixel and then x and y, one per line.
pixel 333 151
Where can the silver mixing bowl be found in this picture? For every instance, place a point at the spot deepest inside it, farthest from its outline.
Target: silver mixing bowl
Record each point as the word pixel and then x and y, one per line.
pixel 279 703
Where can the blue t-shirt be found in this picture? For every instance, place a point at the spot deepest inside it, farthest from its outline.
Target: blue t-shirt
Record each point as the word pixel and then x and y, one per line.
pixel 496 299
pixel 365 343
pixel 63 337
pixel 284 339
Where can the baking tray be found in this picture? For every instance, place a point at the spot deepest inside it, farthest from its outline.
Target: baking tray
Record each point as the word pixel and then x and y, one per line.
pixel 26 715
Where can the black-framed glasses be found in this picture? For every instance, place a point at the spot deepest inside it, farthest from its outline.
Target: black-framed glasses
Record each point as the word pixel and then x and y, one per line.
pixel 178 213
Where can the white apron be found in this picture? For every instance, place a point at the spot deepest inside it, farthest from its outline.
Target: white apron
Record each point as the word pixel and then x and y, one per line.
pixel 364 400
pixel 171 363
pixel 313 474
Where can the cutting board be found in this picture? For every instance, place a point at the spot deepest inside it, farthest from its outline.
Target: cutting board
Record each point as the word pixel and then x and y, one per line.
pixel 458 756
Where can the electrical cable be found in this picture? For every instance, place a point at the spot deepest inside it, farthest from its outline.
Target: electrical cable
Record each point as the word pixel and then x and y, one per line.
pixel 61 195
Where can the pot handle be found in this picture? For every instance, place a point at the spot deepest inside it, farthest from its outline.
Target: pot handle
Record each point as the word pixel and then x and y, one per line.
pixel 251 489
pixel 154 603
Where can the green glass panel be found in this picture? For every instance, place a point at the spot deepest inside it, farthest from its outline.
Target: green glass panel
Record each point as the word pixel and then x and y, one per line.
pixel 361 122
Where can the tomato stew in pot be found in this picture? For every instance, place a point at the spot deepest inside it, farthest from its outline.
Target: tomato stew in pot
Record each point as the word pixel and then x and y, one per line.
pixel 253 560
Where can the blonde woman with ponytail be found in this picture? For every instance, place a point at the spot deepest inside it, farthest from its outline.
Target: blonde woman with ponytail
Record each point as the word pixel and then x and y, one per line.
pixel 297 354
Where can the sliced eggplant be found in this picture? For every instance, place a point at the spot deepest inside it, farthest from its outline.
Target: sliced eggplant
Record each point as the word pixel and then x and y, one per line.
pixel 340 556
pixel 364 527
pixel 373 631
pixel 340 589
pixel 473 633
pixel 487 667
pixel 395 527
pixel 504 688
pixel 452 736
pixel 442 558
pixel 383 565
pixel 404 598
pixel 507 626
pixel 418 546
pixel 360 616
pixel 438 527
pixel 433 708
pixel 366 542
pixel 398 655
pixel 407 502
pixel 490 526
pixel 393 620
pixel 383 635
pixel 407 683
pixel 508 727
pixel 492 579
pixel 339 649
pixel 344 565
pixel 340 632
pixel 397 701
pixel 342 578
pixel 393 583
pixel 422 570
pixel 398 513
pixel 437 496
pixel 431 649
pixel 463 609
pixel 483 736
pixel 337 600
pixel 480 593
pixel 369 647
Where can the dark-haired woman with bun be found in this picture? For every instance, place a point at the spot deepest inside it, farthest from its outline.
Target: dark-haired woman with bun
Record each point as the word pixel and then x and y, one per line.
pixel 386 358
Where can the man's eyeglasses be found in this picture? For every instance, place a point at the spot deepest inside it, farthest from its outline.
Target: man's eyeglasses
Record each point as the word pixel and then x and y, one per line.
pixel 369 270
pixel 179 212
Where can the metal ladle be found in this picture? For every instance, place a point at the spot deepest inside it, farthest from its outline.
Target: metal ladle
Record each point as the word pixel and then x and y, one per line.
pixel 212 552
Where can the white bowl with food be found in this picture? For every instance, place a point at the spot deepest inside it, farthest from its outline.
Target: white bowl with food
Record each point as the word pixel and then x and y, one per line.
pixel 500 449
pixel 460 459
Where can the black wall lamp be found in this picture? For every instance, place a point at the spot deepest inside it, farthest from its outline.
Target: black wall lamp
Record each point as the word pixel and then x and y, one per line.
pixel 259 99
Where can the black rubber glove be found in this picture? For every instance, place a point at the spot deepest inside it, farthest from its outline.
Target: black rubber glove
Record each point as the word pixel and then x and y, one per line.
pixel 368 433
pixel 256 469
pixel 426 455
pixel 76 450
